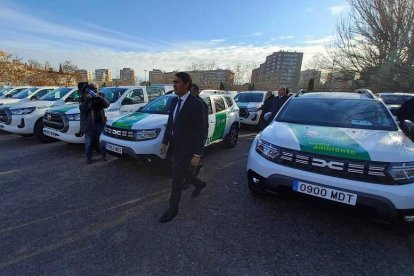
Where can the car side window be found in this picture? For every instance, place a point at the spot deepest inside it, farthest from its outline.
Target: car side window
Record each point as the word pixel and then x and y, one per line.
pixel 134 96
pixel 219 104
pixel 208 102
pixel 229 101
pixel 154 92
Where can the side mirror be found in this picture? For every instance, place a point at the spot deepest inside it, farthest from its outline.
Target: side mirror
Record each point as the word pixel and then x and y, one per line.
pixel 409 126
pixel 268 116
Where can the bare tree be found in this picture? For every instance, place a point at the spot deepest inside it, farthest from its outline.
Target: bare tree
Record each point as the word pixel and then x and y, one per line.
pixel 376 40
pixel 243 72
pixel 70 72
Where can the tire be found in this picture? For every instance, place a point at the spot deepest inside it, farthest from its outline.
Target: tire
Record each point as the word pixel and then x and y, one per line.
pixel 232 137
pixel 38 132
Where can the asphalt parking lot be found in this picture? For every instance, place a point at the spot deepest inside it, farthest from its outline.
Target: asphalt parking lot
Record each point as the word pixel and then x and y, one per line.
pixel 59 216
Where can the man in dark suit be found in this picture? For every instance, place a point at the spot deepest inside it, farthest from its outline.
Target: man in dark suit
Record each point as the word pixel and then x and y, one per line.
pixel 185 133
pixel 280 100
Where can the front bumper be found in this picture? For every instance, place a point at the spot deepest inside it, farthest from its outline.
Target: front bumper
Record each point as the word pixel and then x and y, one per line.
pixel 136 149
pixel 71 136
pixel 394 203
pixel 21 124
pixel 253 118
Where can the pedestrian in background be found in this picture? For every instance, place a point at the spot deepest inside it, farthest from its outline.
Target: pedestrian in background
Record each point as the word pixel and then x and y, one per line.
pixel 92 118
pixel 280 100
pixel 185 133
pixel 266 108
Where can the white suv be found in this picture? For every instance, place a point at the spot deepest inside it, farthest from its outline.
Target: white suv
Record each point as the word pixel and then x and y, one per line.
pixel 249 103
pixel 29 94
pixel 139 135
pixel 26 118
pixel 63 123
pixel 341 147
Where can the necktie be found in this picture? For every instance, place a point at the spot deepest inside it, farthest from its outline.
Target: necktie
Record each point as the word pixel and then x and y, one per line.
pixel 177 111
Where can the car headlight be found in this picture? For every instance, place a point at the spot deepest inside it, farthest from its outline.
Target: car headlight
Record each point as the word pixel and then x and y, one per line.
pixel 146 134
pixel 402 172
pixel 253 109
pixel 73 117
pixel 22 111
pixel 266 149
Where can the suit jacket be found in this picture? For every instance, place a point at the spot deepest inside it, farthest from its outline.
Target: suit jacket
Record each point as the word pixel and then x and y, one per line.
pixel 207 123
pixel 187 133
pixel 278 103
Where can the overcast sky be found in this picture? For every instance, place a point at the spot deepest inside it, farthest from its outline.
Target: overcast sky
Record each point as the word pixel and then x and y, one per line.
pixel 165 34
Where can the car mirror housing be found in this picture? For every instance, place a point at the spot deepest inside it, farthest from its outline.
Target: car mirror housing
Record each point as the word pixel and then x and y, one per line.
pixel 268 116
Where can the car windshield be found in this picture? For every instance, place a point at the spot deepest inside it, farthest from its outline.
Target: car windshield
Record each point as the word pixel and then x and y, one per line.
pixel 249 98
pixel 3 90
pixel 56 94
pixel 25 93
pixel 361 114
pixel 395 99
pixel 160 105
pixel 14 92
pixel 112 94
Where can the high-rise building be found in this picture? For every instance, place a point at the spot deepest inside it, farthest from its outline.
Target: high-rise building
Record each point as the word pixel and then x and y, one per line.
pixel 84 75
pixel 308 74
pixel 103 76
pixel 127 76
pixel 280 69
pixel 207 79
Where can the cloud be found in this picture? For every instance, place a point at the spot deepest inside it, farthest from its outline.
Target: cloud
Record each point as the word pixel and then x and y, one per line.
pixel 317 41
pixel 335 10
pixel 257 34
pixel 286 37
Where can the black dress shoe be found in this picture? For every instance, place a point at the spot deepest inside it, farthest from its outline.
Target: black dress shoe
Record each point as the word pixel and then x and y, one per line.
pixel 89 161
pixel 197 190
pixel 169 215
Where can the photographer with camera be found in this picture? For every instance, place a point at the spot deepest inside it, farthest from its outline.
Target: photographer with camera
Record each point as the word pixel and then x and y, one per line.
pixel 92 117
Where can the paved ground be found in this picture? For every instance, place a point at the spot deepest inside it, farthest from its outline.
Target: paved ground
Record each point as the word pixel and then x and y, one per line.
pixel 59 216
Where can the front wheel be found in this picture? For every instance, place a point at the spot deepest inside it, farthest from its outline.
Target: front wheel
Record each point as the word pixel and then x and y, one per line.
pixel 232 137
pixel 38 132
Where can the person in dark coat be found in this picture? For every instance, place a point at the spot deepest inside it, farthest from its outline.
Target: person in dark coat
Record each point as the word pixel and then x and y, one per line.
pixel 280 100
pixel 406 111
pixel 92 119
pixel 195 91
pixel 266 108
pixel 185 132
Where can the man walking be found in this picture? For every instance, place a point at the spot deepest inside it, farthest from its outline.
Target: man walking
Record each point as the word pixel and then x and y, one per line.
pixel 280 100
pixel 92 118
pixel 185 133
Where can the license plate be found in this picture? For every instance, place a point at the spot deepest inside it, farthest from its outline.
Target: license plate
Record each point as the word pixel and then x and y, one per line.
pixel 113 148
pixel 326 193
pixel 48 132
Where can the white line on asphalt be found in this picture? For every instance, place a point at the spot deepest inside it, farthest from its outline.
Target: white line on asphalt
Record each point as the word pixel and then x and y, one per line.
pixel 2 173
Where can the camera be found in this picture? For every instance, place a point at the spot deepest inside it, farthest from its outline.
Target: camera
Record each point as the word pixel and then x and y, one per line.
pixel 85 87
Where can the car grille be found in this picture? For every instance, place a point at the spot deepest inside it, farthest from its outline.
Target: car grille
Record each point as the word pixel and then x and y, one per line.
pixel 56 121
pixel 367 171
pixel 5 116
pixel 118 133
pixel 243 112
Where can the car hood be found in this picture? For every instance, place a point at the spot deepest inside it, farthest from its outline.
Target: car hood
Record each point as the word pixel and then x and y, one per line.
pixel 249 105
pixel 37 104
pixel 139 120
pixel 8 101
pixel 71 108
pixel 359 144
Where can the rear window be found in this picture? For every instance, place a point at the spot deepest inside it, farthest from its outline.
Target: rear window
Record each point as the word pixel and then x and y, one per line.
pixel 229 101
pixel 219 104
pixel 365 114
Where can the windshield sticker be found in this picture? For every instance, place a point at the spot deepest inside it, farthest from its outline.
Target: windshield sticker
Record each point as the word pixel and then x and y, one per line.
pixel 128 121
pixel 329 141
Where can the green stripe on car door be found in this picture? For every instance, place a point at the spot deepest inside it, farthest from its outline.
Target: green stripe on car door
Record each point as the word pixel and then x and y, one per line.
pixel 220 126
